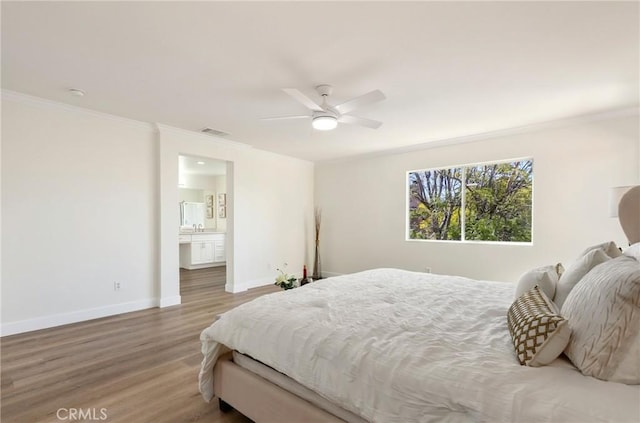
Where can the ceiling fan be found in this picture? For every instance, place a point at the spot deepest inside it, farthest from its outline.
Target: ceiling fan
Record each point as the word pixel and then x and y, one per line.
pixel 325 117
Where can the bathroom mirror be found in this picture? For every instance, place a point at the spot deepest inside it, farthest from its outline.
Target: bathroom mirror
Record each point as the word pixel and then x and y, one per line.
pixel 192 214
pixel 202 180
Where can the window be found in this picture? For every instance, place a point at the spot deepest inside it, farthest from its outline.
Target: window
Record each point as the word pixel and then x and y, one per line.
pixel 481 202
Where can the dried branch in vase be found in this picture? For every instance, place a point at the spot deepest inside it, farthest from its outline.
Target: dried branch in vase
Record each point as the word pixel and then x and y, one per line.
pixel 316 262
pixel 318 220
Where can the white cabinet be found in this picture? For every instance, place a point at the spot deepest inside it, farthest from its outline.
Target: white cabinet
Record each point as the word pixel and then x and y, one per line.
pixel 201 252
pixel 202 249
pixel 219 254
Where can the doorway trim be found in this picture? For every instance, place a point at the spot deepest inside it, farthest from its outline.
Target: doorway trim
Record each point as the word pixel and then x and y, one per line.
pixel 173 142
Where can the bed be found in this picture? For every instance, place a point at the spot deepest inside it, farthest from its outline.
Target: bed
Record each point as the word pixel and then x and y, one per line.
pixel 389 345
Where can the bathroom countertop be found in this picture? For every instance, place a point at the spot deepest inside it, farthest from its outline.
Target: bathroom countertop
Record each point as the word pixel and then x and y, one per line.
pixel 206 231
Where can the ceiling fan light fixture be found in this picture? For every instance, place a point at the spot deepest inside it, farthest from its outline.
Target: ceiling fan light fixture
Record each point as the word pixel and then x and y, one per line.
pixel 324 123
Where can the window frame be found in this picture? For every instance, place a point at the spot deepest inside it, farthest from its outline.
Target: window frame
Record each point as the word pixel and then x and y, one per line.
pixel 463 217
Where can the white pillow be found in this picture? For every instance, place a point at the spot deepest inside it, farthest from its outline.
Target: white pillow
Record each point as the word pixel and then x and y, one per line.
pixel 633 251
pixel 576 271
pixel 545 277
pixel 628 370
pixel 610 248
pixel 604 314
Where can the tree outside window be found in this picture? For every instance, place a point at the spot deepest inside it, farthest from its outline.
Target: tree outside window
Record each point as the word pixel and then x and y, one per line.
pixel 435 200
pixel 495 204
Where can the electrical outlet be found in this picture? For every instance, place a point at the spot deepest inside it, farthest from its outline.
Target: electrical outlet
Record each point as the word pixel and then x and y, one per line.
pixel 116 286
pixel 427 270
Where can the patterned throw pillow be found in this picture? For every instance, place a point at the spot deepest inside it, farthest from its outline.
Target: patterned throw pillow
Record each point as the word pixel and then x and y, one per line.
pixel 538 331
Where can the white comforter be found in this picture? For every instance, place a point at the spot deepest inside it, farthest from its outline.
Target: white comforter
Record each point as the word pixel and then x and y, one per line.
pixel 397 346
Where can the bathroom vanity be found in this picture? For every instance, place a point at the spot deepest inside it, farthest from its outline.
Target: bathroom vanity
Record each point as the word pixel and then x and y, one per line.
pixel 202 249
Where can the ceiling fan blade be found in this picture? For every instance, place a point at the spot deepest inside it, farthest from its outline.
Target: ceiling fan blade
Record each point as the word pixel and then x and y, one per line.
pixel 303 99
pixel 286 117
pixel 357 102
pixel 355 120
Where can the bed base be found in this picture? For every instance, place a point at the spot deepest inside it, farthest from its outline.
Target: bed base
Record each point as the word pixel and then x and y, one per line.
pixel 259 399
pixel 225 407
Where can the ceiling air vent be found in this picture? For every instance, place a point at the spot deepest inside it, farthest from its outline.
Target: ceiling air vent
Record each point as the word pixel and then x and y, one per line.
pixel 211 131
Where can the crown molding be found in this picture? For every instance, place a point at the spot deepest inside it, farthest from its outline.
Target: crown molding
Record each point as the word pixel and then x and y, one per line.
pixel 153 127
pixel 426 145
pixel 517 130
pixel 51 104
pixel 160 128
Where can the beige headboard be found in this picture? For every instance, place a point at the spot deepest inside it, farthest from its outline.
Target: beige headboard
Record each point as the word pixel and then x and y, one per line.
pixel 629 214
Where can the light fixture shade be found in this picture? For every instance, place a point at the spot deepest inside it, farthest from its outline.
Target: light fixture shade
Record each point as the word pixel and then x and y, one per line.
pixel 324 123
pixel 615 195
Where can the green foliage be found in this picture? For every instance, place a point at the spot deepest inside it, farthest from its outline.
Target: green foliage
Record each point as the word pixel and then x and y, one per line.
pixel 284 280
pixel 435 197
pixel 497 203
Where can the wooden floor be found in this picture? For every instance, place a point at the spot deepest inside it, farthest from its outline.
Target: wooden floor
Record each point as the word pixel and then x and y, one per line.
pixel 139 367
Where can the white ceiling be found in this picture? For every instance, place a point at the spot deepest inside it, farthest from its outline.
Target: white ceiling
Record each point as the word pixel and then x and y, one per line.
pixel 448 69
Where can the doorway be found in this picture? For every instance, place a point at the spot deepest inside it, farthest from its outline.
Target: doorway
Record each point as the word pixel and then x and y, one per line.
pixel 202 200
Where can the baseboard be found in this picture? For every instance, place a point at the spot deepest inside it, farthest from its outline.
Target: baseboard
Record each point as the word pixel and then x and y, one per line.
pixel 45 322
pixel 254 283
pixel 203 266
pixel 169 301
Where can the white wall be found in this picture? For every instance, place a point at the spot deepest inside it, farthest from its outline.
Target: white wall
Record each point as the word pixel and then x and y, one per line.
pixel 79 213
pixel 88 201
pixel 364 204
pixel 269 209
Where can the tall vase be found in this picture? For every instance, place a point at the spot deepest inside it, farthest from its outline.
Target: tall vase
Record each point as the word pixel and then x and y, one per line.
pixel 317 273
